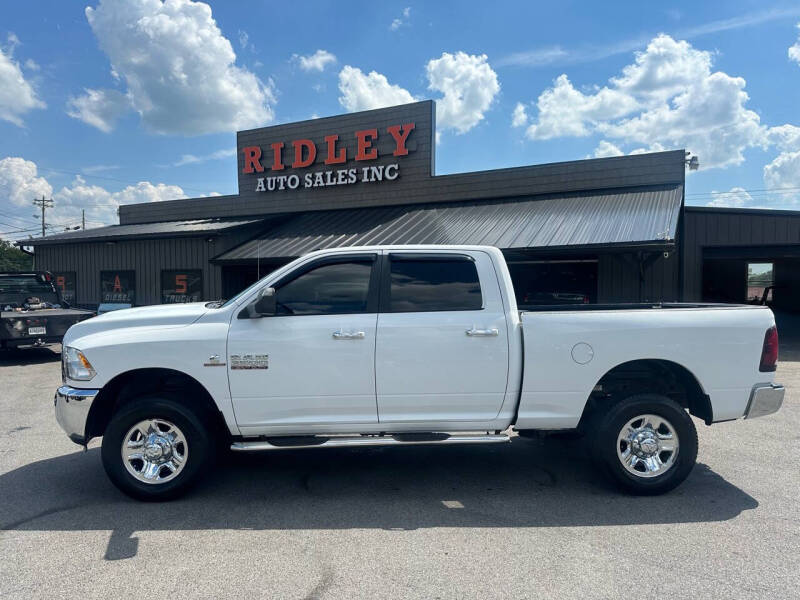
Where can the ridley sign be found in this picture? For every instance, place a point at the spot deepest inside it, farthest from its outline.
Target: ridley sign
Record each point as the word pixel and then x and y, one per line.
pixel 305 153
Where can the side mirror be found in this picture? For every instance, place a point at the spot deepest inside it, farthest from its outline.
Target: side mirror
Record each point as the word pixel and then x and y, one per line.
pixel 267 303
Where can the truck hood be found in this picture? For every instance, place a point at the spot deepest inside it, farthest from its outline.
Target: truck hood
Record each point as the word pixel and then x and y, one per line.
pixel 170 315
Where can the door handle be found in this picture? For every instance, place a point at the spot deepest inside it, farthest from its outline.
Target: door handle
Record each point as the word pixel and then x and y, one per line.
pixel 353 335
pixel 482 332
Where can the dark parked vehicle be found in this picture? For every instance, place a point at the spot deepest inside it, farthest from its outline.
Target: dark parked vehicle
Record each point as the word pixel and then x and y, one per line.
pixel 33 311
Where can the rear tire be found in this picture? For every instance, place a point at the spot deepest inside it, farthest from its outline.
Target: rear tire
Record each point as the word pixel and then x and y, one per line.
pixel 156 448
pixel 647 444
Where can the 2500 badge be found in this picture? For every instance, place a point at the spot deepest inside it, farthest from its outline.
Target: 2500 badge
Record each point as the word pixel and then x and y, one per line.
pixel 249 361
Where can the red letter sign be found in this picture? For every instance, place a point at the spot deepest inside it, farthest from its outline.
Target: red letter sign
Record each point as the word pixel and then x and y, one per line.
pixel 400 138
pixel 364 139
pixel 252 159
pixel 181 284
pixel 334 158
pixel 299 162
pixel 277 160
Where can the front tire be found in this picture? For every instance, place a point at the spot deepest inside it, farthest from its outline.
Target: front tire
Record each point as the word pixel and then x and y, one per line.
pixel 647 444
pixel 155 448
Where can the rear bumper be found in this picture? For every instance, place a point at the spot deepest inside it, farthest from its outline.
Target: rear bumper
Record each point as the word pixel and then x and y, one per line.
pixel 72 410
pixel 765 399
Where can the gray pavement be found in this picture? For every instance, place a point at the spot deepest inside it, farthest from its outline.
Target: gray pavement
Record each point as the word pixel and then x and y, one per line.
pixel 522 520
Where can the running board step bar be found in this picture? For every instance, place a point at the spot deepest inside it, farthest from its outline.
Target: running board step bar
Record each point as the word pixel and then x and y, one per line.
pixel 400 439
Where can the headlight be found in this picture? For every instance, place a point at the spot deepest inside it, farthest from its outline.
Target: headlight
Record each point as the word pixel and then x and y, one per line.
pixel 75 365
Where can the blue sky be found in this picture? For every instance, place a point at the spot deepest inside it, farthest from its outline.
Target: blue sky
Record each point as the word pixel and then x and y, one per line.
pixel 137 100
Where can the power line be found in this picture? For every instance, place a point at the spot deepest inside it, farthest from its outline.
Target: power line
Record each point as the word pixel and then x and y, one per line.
pixel 756 191
pixel 23 220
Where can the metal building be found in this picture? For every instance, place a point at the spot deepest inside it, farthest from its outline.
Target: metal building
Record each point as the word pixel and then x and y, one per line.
pixel 600 230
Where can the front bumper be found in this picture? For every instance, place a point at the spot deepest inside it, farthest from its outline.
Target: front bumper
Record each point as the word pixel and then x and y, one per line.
pixel 72 411
pixel 765 399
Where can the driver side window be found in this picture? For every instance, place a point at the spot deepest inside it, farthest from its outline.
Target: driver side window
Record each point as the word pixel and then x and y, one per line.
pixel 329 289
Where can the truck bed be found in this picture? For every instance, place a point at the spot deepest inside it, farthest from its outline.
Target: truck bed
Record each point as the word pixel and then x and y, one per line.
pixel 568 350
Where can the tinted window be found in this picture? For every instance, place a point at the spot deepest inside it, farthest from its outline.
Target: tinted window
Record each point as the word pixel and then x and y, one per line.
pixel 434 284
pixel 328 289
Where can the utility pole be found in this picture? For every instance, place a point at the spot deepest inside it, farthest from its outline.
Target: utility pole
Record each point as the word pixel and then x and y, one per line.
pixel 83 218
pixel 44 204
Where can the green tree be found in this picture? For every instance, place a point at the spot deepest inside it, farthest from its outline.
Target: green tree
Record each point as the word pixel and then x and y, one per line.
pixel 14 259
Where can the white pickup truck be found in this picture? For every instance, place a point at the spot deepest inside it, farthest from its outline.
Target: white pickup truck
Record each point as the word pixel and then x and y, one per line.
pixel 401 345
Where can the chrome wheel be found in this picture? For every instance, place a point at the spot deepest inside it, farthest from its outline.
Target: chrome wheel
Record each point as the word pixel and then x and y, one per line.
pixel 154 451
pixel 647 446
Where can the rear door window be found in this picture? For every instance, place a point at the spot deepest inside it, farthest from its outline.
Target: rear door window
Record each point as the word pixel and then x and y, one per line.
pixel 433 283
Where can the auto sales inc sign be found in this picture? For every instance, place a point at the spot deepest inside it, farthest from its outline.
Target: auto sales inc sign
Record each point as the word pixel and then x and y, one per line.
pixel 304 154
pixel 345 152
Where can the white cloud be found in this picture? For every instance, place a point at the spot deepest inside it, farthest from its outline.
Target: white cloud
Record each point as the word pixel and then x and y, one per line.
pixel 737 197
pixel 664 70
pixel 190 159
pixel 783 173
pixel 17 95
pixel 92 169
pixel 519 118
pixel 785 137
pixel 467 83
pixel 402 20
pixel 315 62
pixel 99 108
pixel 794 50
pixel 469 86
pixel 101 204
pixel 668 98
pixel 566 111
pixel 243 38
pixel 365 92
pixel 20 181
pixel 178 68
pixel 593 52
pixel 605 149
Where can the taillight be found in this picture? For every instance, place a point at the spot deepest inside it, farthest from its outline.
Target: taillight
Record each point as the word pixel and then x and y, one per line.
pixel 769 352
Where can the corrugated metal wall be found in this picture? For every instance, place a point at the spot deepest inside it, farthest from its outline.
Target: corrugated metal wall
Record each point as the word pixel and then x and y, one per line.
pixel 146 257
pixel 618 279
pixel 706 228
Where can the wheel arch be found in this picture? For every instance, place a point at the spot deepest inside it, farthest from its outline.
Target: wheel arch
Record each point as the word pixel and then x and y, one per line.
pixel 126 387
pixel 650 375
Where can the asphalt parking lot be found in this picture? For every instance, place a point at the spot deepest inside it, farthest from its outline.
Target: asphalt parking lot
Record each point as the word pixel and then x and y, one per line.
pixel 521 520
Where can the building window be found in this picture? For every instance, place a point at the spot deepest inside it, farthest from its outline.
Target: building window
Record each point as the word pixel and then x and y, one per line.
pixel 449 283
pixel 118 287
pixel 181 285
pixel 65 282
pixel 760 281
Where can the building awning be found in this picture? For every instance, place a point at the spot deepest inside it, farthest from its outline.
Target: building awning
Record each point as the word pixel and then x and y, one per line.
pixel 143 230
pixel 629 217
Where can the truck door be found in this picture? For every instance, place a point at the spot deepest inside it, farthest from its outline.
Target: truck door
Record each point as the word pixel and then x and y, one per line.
pixel 442 349
pixel 313 362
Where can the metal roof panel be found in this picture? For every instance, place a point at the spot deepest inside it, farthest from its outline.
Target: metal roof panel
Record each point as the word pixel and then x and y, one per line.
pixel 627 216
